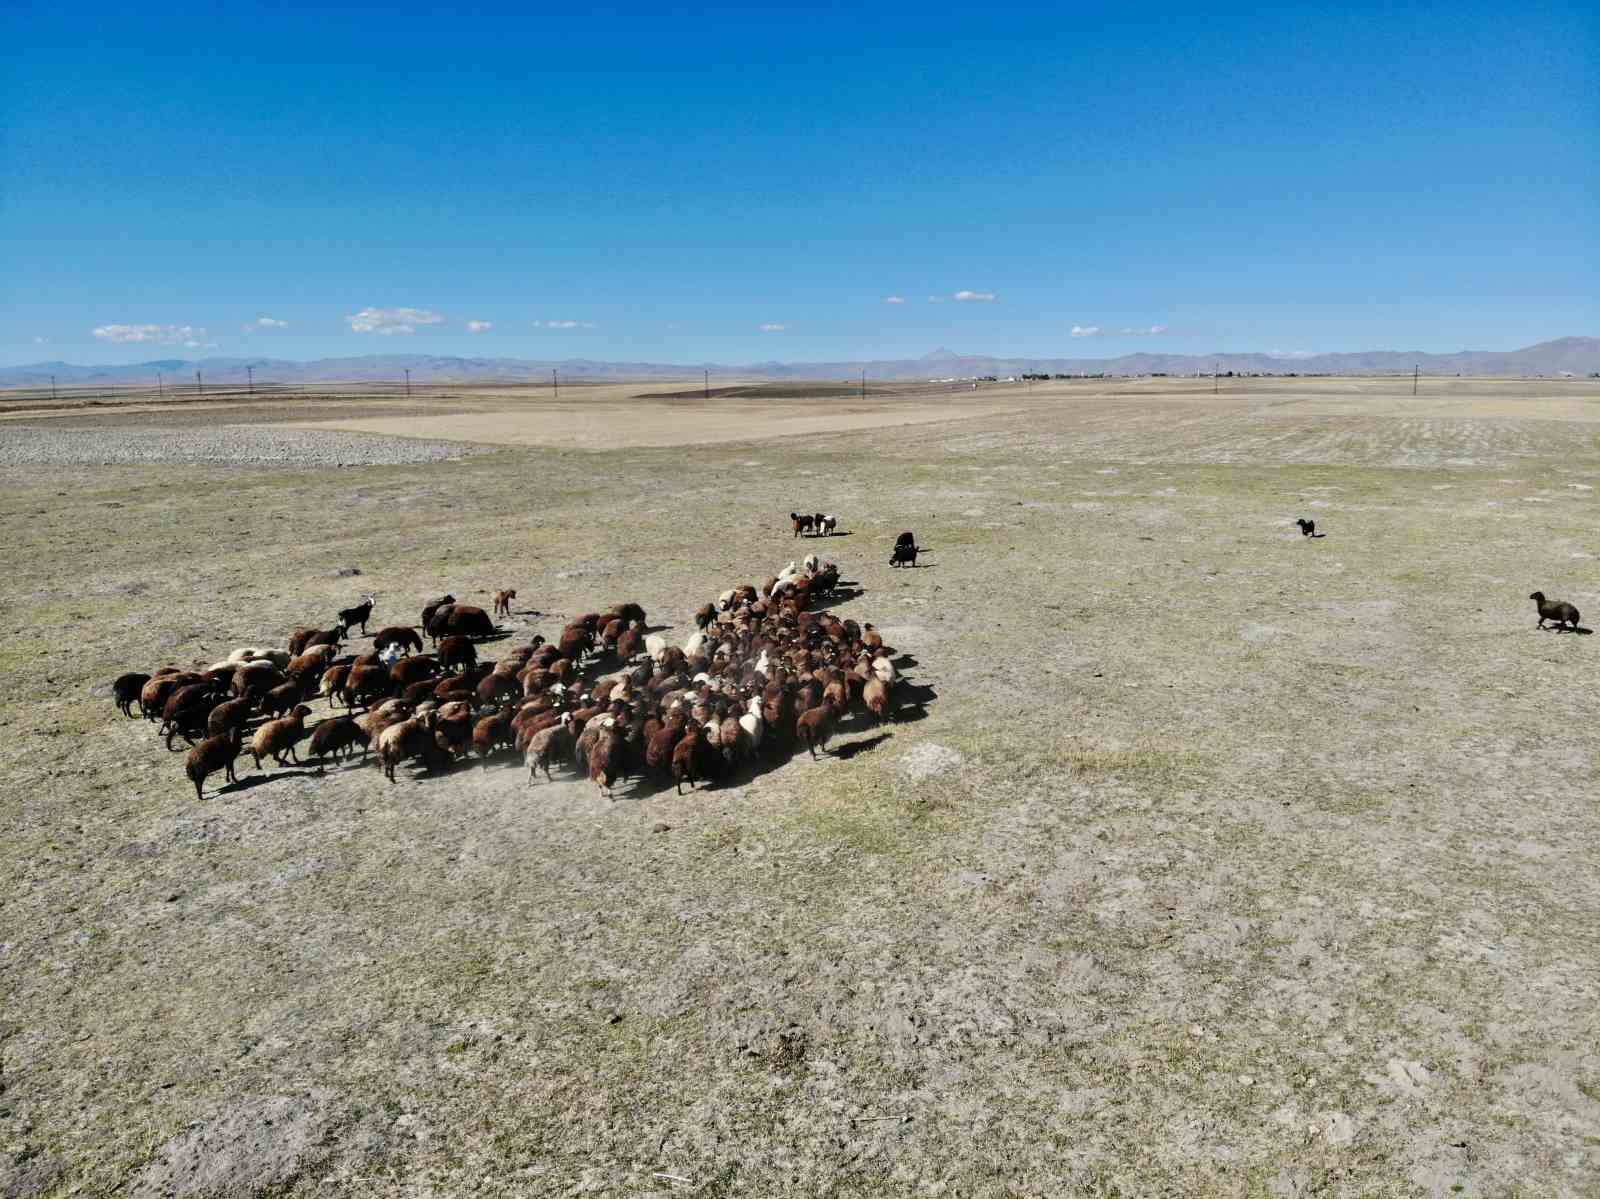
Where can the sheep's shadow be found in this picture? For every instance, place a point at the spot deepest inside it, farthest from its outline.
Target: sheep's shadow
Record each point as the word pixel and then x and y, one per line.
pixel 829 536
pixel 499 634
pixel 1315 536
pixel 904 661
pixel 852 748
pixel 913 700
pixel 252 781
pixel 1578 629
pixel 839 595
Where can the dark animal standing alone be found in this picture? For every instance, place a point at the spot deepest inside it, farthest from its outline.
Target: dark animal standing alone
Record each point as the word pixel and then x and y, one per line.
pixel 1563 613
pixel 1308 528
pixel 350 617
pixel 803 522
pixel 905 551
pixel 502 603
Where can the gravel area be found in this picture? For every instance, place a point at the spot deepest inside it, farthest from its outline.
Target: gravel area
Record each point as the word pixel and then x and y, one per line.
pixel 32 445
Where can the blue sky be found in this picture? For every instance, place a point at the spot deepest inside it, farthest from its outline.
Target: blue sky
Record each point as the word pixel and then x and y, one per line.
pixel 752 182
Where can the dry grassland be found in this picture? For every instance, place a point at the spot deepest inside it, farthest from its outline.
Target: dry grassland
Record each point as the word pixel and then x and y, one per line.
pixel 1220 861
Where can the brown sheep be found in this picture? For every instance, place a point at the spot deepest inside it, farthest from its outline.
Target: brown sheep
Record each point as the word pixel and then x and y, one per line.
pixel 548 745
pixel 281 698
pixel 412 670
pixel 229 717
pixel 502 603
pixel 689 758
pixel 815 726
pixel 153 696
pixel 333 737
pixel 126 690
pixel 452 727
pixel 875 694
pixel 279 737
pixel 431 609
pixel 460 618
pixel 607 760
pixel 210 755
pixel 409 739
pixel 457 650
pixel 493 732
pixel 398 634
pixel 389 712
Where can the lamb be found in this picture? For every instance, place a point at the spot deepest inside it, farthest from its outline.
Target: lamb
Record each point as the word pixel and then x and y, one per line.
pixel 126 689
pixel 815 726
pixel 210 755
pixel 279 737
pixel 350 617
pixel 827 524
pixel 688 758
pixel 407 638
pixel 1562 613
pixel 502 603
pixel 607 761
pixel 333 737
pixel 803 522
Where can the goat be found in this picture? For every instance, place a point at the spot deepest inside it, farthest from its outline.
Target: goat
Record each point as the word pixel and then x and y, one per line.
pixel 827 524
pixel 815 726
pixel 803 522
pixel 350 617
pixel 1563 613
pixel 502 603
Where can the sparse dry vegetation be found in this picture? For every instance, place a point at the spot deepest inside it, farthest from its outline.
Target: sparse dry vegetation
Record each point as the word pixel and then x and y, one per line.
pixel 1224 861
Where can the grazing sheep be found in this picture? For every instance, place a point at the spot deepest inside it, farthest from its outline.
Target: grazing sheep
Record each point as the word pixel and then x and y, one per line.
pixel 231 716
pixel 815 726
pixel 412 670
pixel 210 755
pixel 280 699
pixel 460 618
pixel 279 737
pixel 905 552
pixel 332 737
pixel 803 522
pixel 456 650
pixel 350 617
pixel 431 608
pixel 1562 613
pixel 408 639
pixel 126 689
pixel 502 603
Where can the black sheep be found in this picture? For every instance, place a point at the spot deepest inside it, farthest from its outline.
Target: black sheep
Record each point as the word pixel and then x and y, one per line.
pixel 905 554
pixel 1563 613
pixel 1308 528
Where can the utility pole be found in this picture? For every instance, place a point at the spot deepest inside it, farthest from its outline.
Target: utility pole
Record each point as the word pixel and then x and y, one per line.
pixel 863 383
pixel 408 383
pixel 1414 371
pixel 199 384
pixel 555 388
pixel 1215 367
pixel 250 373
pixel 52 389
pixel 708 383
pixel 161 387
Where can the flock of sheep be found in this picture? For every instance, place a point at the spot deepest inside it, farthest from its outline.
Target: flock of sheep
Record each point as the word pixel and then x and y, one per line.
pixel 764 673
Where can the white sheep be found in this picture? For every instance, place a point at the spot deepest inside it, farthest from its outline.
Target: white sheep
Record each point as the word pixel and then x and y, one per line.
pixel 655 645
pixel 884 669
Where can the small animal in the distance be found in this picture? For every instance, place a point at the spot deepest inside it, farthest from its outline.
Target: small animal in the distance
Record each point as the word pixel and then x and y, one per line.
pixel 502 603
pixel 905 551
pixel 904 539
pixel 1562 613
pixel 350 617
pixel 1308 528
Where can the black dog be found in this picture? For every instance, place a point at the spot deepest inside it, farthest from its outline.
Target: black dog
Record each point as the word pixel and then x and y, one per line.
pixel 1308 528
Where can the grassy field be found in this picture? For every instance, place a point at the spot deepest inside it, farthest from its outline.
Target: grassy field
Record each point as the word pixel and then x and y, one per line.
pixel 1217 861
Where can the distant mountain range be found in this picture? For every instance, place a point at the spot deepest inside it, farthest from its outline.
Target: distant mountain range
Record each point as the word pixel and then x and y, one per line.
pixel 1567 355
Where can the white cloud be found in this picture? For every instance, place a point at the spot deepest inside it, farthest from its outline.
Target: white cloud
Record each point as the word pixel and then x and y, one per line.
pixel 773 327
pixel 974 295
pixel 894 299
pixel 167 335
pixel 563 324
pixel 479 326
pixel 1097 331
pixel 388 322
pixel 268 322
